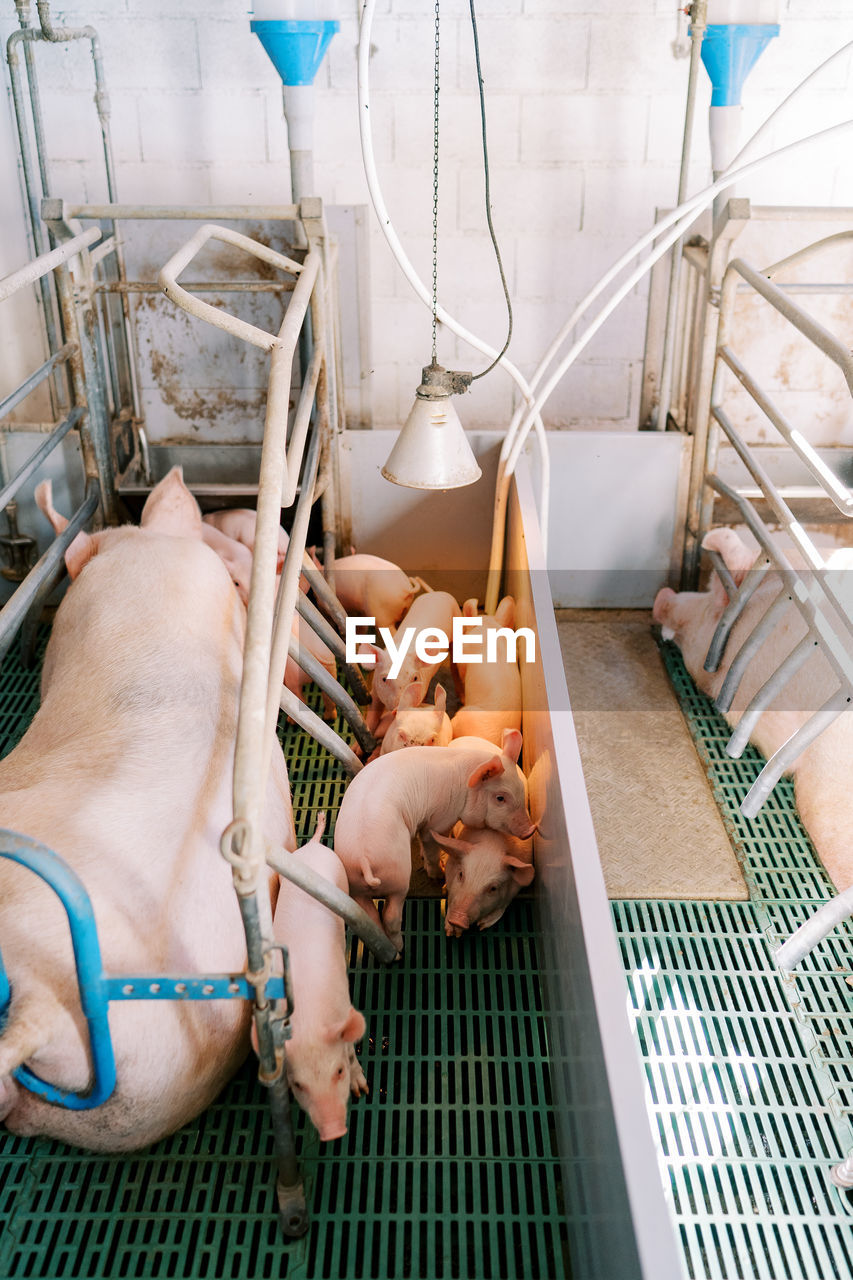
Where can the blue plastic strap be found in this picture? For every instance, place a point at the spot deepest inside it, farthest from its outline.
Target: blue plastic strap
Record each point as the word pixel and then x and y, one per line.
pixel 44 862
pixel 96 989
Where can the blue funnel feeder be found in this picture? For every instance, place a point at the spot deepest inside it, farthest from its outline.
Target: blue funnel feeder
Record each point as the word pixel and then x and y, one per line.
pixel 729 52
pixel 295 48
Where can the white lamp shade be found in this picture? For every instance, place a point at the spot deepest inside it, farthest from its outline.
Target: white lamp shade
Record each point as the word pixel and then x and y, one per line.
pixel 432 450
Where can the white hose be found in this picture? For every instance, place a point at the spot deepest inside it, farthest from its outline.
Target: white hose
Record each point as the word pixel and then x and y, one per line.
pixel 408 270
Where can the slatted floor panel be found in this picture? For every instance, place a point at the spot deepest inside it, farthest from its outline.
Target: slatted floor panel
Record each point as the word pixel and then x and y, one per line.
pixel 749 1075
pixel 449 1168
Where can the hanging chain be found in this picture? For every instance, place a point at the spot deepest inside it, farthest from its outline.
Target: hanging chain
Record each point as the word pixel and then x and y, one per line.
pixel 435 191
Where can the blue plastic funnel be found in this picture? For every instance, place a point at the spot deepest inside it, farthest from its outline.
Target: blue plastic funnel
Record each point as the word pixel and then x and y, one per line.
pixel 295 48
pixel 729 52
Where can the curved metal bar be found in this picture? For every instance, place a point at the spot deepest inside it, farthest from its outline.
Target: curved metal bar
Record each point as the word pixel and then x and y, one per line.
pixel 330 686
pixel 815 929
pixel 748 649
pixel 788 752
pixel 327 633
pixel 336 900
pixel 768 691
pixel 326 597
pixel 42 265
pixel 16 609
pixel 317 727
pixel 730 615
pixel 50 867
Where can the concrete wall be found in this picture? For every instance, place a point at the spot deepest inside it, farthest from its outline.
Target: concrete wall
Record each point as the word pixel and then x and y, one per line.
pixel 585 104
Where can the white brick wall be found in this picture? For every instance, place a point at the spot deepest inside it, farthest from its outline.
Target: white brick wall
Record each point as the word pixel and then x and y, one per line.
pixel 585 103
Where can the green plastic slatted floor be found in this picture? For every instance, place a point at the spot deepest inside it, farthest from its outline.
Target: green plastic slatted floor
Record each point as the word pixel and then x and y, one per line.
pixel 749 1075
pixel 449 1168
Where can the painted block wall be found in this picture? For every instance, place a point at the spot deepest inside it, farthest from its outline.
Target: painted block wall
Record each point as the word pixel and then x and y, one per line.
pixel 584 104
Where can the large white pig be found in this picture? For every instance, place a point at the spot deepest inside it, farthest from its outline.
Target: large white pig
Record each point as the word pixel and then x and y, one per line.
pixel 491 690
pixel 823 770
pixel 413 793
pixel 322 1067
pixel 126 773
pixel 484 871
pixel 371 587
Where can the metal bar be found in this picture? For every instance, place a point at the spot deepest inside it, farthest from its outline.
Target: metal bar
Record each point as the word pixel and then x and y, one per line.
pixel 87 958
pixel 816 333
pixel 722 571
pixel 313 668
pixel 34 462
pixel 189 213
pixel 199 286
pixel 803 255
pixel 835 489
pixel 327 633
pixel 748 650
pixel 815 929
pixel 782 760
pixel 326 597
pixel 298 873
pixel 738 601
pixel 20 393
pixel 787 668
pixel 46 262
pixel 15 610
pixel 834 649
pixel 302 418
pixel 319 729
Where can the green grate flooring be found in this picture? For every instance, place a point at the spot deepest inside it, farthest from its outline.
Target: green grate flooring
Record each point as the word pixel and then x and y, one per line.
pixel 449 1168
pixel 749 1075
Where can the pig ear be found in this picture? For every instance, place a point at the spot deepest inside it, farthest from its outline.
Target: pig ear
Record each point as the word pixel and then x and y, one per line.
pixel 491 769
pixel 505 614
pixel 511 743
pixel 383 662
pixel 351 1029
pixel 448 842
pixel 469 609
pixel 737 556
pixel 522 872
pixel 440 701
pixel 170 508
pixel 412 696
pixel 82 548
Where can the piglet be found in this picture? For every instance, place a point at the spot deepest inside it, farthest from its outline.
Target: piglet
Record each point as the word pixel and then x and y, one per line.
pixel 413 793
pixel 415 725
pixel 322 1067
pixel 371 587
pixel 238 523
pixel 429 613
pixel 823 770
pixel 491 690
pixel 484 871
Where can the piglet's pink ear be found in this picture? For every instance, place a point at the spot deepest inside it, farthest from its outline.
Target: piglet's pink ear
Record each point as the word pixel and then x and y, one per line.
pixel 382 663
pixel 171 509
pixel 450 843
pixel 511 744
pixel 505 614
pixel 491 769
pixel 469 609
pixel 412 696
pixel 351 1029
pixel 522 872
pixel 440 701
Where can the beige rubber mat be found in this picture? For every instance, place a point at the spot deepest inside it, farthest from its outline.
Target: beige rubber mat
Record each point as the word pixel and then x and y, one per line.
pixel 659 831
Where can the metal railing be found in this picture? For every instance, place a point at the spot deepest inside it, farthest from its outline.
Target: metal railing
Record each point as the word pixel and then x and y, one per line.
pixel 86 417
pixel 294 461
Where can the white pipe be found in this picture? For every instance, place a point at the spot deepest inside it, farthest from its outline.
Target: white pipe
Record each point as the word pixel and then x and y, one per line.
pixel 815 929
pixel 405 265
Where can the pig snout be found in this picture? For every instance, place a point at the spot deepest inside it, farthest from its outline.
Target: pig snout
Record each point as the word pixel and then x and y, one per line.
pixel 456 922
